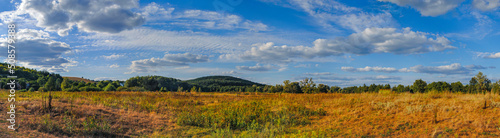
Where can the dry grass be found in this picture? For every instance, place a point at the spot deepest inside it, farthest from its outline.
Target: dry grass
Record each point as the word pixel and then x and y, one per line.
pixel 153 114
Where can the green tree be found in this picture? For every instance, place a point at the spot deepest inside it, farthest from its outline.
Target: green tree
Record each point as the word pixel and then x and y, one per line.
pixel 295 87
pixel 110 87
pixel 419 86
pixel 287 88
pixel 65 84
pixel 307 85
pixel 457 87
pixel 482 82
pixel 50 84
pixel 323 88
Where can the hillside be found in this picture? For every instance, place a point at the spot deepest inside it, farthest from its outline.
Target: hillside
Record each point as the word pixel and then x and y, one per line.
pixel 221 81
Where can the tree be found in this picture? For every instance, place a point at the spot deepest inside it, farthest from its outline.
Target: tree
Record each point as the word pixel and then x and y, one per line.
pixel 65 84
pixel 110 87
pixel 323 88
pixel 495 88
pixel 101 84
pixel 472 85
pixel 50 84
pixel 307 85
pixel 482 82
pixel 287 88
pixel 295 87
pixel 58 84
pixel 419 86
pixel 193 89
pixel 457 87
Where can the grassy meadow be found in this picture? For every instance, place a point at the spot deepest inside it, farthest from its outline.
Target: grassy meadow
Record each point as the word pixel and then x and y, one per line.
pixel 244 114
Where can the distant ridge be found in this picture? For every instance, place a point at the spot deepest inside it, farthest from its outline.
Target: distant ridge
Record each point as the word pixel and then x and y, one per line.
pixel 221 81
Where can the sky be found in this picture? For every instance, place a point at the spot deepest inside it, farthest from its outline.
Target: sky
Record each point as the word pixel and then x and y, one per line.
pixel 338 43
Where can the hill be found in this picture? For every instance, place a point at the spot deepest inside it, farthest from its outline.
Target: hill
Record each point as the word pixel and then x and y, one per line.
pixel 221 81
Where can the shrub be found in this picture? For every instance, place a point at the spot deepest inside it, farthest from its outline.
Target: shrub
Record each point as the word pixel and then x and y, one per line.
pixel 42 89
pixel 72 89
pixel 121 88
pixel 89 89
pixel 137 89
pixel 23 90
pixel 32 89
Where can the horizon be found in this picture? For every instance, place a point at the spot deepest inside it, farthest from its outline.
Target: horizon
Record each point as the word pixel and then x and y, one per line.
pixel 338 43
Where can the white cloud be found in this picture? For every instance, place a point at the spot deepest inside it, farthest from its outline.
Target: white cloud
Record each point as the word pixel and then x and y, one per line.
pixel 486 5
pixel 110 16
pixel 114 66
pixel 371 40
pixel 428 7
pixel 369 69
pixel 113 56
pixel 150 65
pixel 257 67
pixel 451 69
pixel 163 40
pixel 157 14
pixel 36 49
pixel 488 55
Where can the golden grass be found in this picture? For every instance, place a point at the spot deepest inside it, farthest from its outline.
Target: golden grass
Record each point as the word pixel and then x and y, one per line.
pixel 154 114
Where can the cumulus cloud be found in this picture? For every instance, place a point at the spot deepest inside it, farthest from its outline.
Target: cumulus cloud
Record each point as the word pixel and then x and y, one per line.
pixel 368 69
pixel 114 66
pixel 36 49
pixel 488 55
pixel 428 7
pixel 455 68
pixel 257 67
pixel 113 56
pixel 109 16
pixel 486 5
pixel 149 65
pixel 157 14
pixel 371 40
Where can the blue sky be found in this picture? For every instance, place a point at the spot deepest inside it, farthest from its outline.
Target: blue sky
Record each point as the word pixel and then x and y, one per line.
pixel 342 43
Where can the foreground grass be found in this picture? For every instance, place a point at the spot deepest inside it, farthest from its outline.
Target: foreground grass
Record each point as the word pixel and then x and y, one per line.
pixel 153 114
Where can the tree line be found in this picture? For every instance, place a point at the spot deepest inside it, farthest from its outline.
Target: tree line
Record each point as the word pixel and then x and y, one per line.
pixel 32 80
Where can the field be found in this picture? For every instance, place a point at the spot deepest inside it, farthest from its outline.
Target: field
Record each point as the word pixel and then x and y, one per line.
pixel 174 114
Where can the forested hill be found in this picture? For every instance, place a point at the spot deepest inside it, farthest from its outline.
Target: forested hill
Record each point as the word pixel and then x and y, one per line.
pixel 221 81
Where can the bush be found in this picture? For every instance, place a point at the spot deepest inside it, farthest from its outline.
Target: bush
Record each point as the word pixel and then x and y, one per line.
pixel 23 90
pixel 121 88
pixel 31 89
pixel 137 89
pixel 72 89
pixel 42 89
pixel 89 89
